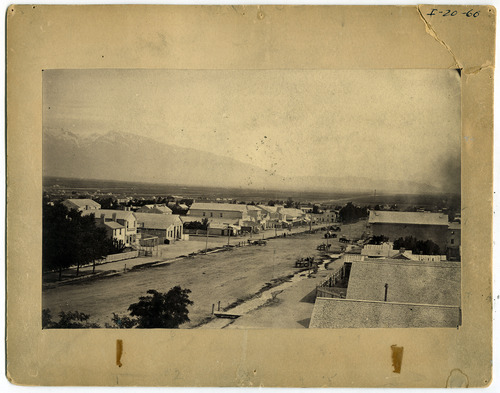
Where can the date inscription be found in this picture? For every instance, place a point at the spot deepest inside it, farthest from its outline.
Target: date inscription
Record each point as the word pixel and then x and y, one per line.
pixel 469 14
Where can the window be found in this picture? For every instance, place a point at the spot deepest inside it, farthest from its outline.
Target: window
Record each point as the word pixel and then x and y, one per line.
pixel 221 214
pixel 452 241
pixel 211 214
pixel 203 214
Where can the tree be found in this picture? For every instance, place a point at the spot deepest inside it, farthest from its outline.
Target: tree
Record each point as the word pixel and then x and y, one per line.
pixel 108 203
pixel 196 224
pixel 67 320
pixel 425 247
pixel 378 239
pixel 289 203
pixel 162 310
pixel 57 239
pixel 121 322
pixel 187 201
pixel 70 239
pixel 350 213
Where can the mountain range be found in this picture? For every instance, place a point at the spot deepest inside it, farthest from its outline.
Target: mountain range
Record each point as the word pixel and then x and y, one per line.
pixel 129 157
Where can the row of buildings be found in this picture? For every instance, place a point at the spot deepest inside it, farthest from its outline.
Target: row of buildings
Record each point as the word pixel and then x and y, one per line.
pixel 157 221
pixel 237 219
pixel 130 228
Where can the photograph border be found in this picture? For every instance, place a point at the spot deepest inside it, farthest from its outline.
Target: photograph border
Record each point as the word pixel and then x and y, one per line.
pixel 274 37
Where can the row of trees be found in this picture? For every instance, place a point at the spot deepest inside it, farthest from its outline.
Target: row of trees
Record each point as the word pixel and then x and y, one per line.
pixel 351 213
pixel 425 247
pixel 155 310
pixel 70 239
pixel 203 224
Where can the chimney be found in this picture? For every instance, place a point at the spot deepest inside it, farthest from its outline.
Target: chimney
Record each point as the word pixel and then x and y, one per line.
pixel 114 216
pixel 103 218
pixel 402 250
pixel 385 296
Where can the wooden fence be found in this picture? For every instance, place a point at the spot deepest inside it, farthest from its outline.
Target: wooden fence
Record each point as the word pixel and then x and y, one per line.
pixel 120 257
pixel 328 287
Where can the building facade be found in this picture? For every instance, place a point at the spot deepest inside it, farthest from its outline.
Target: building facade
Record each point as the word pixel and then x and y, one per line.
pixel 218 210
pixel 454 241
pixel 166 227
pixel 420 225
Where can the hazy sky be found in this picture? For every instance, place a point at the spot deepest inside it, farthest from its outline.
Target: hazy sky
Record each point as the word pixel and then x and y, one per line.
pixel 389 124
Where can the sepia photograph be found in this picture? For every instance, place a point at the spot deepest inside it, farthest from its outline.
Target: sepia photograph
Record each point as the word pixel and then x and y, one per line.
pixel 251 199
pixel 250 196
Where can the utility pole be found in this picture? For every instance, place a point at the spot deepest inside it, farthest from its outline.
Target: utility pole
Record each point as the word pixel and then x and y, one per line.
pixel 206 241
pixel 228 234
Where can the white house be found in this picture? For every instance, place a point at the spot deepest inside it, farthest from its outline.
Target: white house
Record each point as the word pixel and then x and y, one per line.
pixel 125 218
pixel 167 227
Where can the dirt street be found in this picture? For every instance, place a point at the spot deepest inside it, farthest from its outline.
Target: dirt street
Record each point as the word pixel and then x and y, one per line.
pixel 225 276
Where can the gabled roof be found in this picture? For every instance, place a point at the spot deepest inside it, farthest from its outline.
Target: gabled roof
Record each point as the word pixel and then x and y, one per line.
pixel 268 209
pixel 81 204
pixel 157 221
pixel 108 214
pixel 151 208
pixel 409 218
pixel 219 207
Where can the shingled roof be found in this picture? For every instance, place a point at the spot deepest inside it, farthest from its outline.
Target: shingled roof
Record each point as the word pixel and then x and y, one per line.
pixel 418 295
pixel 157 221
pixel 408 281
pixel 81 204
pixel 345 313
pixel 109 213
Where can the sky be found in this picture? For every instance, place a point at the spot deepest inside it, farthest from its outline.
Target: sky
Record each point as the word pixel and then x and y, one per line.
pixel 384 124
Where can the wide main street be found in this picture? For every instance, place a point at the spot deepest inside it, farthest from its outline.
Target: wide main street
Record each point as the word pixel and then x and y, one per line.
pixel 235 275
